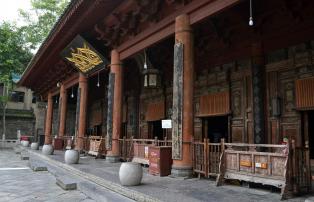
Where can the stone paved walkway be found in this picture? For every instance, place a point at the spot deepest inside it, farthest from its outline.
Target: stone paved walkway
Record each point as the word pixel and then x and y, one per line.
pixel 173 189
pixel 22 184
pixel 18 183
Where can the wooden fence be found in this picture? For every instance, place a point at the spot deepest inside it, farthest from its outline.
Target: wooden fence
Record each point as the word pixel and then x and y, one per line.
pixel 206 157
pixel 258 163
pixel 301 169
pixel 137 149
pixel 283 166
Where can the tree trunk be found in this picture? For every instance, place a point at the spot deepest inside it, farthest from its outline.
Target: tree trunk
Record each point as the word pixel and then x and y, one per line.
pixel 3 119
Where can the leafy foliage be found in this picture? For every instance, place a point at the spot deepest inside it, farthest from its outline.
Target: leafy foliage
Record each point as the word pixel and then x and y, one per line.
pixel 40 20
pixel 14 55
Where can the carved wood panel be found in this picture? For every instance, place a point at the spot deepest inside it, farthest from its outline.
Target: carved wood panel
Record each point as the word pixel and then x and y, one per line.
pixel 155 111
pixel 237 133
pixel 237 104
pixel 95 116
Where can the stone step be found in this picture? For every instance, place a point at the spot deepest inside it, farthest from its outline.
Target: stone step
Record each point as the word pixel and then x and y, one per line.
pixel 66 183
pixel 99 193
pixel 36 166
pixel 24 156
pixel 17 150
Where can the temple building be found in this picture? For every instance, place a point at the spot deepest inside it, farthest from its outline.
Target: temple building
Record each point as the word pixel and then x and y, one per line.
pixel 119 76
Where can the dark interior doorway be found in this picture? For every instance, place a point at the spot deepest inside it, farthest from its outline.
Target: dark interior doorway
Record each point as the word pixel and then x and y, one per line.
pixel 215 128
pixel 155 130
pixel 311 132
pixel 124 131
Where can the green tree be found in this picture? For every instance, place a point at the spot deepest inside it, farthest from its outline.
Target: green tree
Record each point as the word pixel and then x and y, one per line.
pixel 40 20
pixel 14 57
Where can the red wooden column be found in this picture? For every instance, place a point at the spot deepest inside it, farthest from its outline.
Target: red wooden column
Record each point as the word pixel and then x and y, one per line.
pixel 48 124
pixel 116 69
pixel 183 34
pixel 83 90
pixel 63 110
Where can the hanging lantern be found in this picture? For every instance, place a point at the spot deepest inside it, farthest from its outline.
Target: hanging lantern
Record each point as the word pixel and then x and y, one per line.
pixel 151 76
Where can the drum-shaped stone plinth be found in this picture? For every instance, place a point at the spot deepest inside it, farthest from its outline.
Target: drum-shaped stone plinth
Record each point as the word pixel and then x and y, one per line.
pixel 130 174
pixel 35 146
pixel 25 143
pixel 47 149
pixel 71 157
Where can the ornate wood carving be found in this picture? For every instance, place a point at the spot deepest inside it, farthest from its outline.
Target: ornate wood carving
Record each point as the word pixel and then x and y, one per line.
pixel 177 101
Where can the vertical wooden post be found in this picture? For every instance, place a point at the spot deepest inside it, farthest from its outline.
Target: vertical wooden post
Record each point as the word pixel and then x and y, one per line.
pixel 63 110
pixel 124 149
pixel 48 124
pixel 116 69
pixel 183 34
pixel 294 167
pixel 206 156
pixel 220 177
pixel 308 167
pixel 82 112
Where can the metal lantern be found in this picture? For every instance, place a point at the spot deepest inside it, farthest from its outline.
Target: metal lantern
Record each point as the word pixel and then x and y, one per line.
pixel 151 78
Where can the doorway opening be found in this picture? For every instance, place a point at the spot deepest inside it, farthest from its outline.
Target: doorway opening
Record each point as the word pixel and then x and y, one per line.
pixel 155 130
pixel 310 124
pixel 124 131
pixel 215 128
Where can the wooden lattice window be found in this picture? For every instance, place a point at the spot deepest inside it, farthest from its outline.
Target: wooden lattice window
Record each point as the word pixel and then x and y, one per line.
pixel 215 104
pixel 304 90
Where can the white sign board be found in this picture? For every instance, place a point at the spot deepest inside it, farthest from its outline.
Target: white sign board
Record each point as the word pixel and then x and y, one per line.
pixel 166 123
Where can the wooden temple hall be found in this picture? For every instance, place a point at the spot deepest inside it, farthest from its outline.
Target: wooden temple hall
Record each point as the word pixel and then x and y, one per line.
pixel 221 88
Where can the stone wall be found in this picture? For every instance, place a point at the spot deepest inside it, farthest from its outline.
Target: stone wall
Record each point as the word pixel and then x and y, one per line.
pixel 18 120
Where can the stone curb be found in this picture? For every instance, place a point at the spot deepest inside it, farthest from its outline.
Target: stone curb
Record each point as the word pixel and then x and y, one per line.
pixel 134 195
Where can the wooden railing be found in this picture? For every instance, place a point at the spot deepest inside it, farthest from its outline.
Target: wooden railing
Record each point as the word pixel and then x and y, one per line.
pixel 126 149
pixel 206 157
pixel 301 169
pixel 258 163
pixel 96 145
pixel 138 148
pixel 68 142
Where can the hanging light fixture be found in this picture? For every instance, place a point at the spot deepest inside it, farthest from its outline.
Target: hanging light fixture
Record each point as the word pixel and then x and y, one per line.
pixel 72 94
pixel 151 76
pixel 56 99
pixel 251 23
pixel 98 84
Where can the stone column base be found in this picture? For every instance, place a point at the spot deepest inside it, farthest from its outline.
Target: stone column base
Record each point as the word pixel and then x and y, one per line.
pixel 112 159
pixel 181 171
